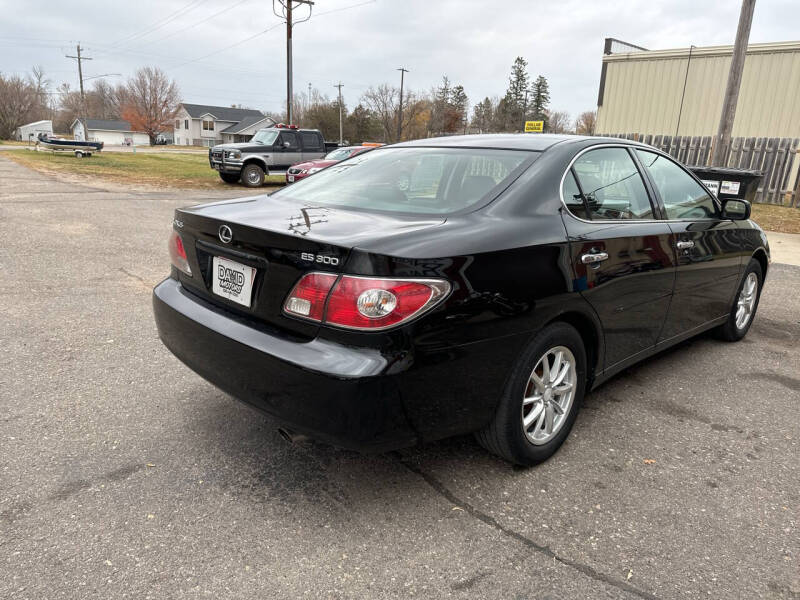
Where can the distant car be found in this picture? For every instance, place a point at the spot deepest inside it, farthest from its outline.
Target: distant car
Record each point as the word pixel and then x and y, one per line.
pixel 304 169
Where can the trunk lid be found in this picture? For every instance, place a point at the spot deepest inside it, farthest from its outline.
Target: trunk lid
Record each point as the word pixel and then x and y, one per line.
pixel 281 240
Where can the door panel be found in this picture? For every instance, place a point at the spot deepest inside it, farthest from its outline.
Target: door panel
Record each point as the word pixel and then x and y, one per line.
pixel 707 247
pixel 287 156
pixel 631 289
pixel 709 262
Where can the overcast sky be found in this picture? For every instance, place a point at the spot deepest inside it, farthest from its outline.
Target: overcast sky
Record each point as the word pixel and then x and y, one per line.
pixel 363 43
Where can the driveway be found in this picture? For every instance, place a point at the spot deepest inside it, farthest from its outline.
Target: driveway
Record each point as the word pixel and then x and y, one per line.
pixel 124 475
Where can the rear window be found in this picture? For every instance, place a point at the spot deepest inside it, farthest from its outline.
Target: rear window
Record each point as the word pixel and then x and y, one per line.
pixel 415 180
pixel 311 141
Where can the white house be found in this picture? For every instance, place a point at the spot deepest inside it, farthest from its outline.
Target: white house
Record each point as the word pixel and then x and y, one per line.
pixel 109 132
pixel 32 130
pixel 203 125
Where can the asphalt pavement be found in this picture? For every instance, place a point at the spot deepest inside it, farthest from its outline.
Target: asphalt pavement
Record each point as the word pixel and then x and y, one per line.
pixel 125 475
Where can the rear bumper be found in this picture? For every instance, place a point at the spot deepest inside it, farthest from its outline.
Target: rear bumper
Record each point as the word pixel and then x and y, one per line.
pixel 345 399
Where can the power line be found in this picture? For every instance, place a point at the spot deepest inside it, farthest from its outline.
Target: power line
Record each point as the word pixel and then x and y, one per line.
pixel 239 43
pixel 201 21
pixel 159 24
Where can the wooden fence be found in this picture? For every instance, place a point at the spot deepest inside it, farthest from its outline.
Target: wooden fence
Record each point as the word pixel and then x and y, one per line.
pixel 777 158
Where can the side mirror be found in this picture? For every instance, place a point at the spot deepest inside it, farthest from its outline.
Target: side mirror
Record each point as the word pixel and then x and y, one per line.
pixel 737 210
pixel 286 145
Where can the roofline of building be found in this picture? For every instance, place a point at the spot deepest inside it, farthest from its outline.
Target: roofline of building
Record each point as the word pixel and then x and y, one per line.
pixel 700 51
pixel 246 126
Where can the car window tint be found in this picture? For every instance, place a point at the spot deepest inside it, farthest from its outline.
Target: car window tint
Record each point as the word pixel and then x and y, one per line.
pixel 682 196
pixel 412 180
pixel 612 185
pixel 573 198
pixel 290 137
pixel 311 141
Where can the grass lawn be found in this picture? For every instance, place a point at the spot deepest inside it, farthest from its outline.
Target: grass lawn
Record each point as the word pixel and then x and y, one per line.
pixel 12 143
pixel 167 169
pixel 777 218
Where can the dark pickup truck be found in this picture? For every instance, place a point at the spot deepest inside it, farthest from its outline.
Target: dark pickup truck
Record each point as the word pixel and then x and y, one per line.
pixel 273 148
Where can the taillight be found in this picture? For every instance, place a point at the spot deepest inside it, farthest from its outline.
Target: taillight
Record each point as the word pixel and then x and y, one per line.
pixel 368 303
pixel 307 298
pixel 177 253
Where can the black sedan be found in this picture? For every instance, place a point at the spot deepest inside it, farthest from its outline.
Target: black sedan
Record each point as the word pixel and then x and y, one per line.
pixel 463 284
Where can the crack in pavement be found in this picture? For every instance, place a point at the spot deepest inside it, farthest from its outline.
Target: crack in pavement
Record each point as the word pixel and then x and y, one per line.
pixel 442 490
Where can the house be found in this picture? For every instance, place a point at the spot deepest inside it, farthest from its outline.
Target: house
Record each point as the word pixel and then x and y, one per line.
pixel 31 131
pixel 203 125
pixel 108 131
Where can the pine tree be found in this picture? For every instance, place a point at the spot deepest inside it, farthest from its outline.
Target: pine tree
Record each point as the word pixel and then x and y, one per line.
pixel 515 94
pixel 540 99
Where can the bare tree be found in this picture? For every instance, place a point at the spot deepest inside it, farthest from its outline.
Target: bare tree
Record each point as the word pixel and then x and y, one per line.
pixel 21 101
pixel 151 101
pixel 558 121
pixel 586 122
pixel 382 102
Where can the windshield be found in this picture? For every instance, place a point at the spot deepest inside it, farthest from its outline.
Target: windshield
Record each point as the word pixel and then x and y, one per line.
pixel 339 154
pixel 265 136
pixel 416 180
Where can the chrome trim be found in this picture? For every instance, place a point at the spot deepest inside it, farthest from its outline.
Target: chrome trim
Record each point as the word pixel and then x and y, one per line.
pixel 629 145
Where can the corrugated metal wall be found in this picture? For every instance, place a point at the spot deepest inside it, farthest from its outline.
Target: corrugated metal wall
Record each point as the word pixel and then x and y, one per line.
pixel 642 92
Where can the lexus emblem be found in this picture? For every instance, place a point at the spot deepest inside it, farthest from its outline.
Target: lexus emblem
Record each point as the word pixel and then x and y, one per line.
pixel 225 234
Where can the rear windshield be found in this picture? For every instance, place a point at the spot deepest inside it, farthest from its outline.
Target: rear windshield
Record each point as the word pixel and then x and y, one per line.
pixel 411 180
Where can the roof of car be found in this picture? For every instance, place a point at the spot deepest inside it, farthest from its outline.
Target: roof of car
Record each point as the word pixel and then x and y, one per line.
pixel 537 142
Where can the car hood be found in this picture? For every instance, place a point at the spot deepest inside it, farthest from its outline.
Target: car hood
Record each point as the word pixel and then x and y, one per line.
pixel 315 164
pixel 241 146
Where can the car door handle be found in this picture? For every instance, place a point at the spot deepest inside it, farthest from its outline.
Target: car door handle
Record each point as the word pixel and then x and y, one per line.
pixel 684 245
pixel 594 257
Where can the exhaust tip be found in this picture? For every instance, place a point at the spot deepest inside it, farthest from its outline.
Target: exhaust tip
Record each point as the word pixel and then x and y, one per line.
pixel 292 437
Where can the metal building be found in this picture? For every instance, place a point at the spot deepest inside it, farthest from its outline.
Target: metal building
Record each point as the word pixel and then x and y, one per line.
pixel 672 99
pixel 641 90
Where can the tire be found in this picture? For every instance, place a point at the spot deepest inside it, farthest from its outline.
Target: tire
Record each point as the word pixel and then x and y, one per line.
pixel 78 154
pixel 734 329
pixel 252 176
pixel 506 436
pixel 229 177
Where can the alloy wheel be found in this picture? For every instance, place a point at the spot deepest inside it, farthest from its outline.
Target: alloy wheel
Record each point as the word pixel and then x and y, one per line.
pixel 746 301
pixel 548 395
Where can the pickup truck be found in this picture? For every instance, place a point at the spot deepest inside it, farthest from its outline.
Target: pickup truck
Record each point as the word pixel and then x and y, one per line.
pixel 272 148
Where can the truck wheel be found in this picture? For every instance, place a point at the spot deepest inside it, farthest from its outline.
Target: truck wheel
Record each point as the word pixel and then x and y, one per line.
pixel 229 177
pixel 253 176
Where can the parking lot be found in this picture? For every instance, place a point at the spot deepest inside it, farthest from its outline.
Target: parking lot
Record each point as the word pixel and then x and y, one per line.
pixel 125 475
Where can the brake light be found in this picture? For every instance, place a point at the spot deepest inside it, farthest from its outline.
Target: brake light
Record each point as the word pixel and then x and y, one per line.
pixel 177 253
pixel 366 303
pixel 307 298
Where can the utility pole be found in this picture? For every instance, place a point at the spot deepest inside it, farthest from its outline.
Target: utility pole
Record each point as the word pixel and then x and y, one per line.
pixel 340 85
pixel 286 13
pixel 80 58
pixel 403 71
pixel 723 139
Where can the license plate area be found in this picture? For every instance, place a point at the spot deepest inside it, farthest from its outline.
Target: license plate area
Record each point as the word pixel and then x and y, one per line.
pixel 232 280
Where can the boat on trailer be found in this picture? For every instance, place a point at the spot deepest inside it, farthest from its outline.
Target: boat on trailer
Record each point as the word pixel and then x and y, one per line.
pixel 78 147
